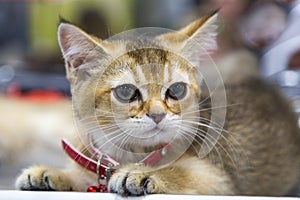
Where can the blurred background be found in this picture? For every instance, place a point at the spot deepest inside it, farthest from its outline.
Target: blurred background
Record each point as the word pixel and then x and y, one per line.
pixel 34 94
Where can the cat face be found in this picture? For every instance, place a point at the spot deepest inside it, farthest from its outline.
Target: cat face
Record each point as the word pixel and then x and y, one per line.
pixel 139 93
pixel 147 99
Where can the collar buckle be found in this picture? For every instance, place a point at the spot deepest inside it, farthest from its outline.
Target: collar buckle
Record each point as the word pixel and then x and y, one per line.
pixel 103 178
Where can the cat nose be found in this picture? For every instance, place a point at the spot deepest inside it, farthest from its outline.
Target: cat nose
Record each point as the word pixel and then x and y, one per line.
pixel 157 117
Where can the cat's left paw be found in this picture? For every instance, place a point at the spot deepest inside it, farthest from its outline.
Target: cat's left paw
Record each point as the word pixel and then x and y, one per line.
pixel 42 178
pixel 134 181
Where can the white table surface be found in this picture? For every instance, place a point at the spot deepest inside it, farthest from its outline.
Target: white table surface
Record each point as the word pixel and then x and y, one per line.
pixel 29 195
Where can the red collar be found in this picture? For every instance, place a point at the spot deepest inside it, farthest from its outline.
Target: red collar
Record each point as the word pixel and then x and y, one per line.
pixel 105 166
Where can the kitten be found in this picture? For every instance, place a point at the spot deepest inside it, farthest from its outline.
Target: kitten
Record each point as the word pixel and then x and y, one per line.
pixel 132 98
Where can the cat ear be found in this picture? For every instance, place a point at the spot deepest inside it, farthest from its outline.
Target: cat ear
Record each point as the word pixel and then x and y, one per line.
pixel 79 48
pixel 195 39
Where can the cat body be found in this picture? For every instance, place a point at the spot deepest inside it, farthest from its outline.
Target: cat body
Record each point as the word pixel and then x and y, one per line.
pixel 131 97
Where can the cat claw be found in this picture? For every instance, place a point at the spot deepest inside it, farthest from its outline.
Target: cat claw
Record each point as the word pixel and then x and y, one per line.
pixel 40 178
pixel 132 183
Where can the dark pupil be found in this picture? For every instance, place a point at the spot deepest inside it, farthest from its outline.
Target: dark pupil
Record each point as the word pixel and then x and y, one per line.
pixel 127 93
pixel 177 91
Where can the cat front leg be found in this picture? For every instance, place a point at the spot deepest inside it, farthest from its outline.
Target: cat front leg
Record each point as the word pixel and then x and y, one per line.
pixel 42 178
pixel 187 176
pixel 133 180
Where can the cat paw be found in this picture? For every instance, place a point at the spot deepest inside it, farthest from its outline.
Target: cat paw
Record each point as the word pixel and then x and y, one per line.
pixel 134 181
pixel 40 178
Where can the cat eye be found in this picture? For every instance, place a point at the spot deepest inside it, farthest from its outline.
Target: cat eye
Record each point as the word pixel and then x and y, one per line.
pixel 176 91
pixel 127 93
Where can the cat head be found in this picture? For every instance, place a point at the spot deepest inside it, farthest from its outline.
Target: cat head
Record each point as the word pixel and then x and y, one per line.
pixel 139 92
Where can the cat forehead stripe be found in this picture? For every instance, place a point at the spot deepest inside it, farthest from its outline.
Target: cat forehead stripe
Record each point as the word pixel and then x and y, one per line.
pixel 148 55
pixel 141 76
pixel 166 73
pixel 126 77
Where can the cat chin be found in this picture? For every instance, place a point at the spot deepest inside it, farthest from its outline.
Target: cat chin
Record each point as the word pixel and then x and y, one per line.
pixel 150 140
pixel 157 137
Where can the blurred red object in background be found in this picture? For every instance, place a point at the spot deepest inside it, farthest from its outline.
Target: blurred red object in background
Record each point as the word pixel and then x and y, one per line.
pixel 36 96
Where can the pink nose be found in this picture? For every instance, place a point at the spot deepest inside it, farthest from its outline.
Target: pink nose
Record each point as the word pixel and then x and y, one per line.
pixel 157 117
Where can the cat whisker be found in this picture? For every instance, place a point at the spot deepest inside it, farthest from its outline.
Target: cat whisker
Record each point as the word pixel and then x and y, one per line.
pixel 230 143
pixel 222 147
pixel 108 138
pixel 95 122
pixel 100 113
pixel 219 107
pixel 99 126
pixel 217 130
pixel 186 131
pixel 103 127
pixel 92 129
pixel 86 147
pixel 210 94
pixel 183 133
pixel 115 116
pixel 206 135
pixel 205 109
pixel 217 126
pixel 122 146
pixel 233 144
pixel 105 111
pixel 200 118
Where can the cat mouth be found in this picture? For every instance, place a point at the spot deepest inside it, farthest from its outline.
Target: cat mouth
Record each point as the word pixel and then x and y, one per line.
pixel 160 132
pixel 151 133
pixel 158 129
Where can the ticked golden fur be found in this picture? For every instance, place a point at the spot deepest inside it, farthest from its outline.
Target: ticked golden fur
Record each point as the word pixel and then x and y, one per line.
pixel 257 152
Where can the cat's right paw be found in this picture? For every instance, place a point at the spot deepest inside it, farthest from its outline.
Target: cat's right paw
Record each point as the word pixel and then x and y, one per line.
pixel 43 178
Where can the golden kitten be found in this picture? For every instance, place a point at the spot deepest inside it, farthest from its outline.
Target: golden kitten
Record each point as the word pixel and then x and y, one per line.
pixel 136 98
